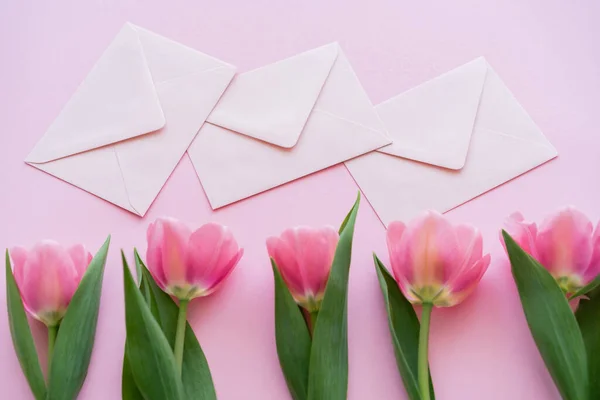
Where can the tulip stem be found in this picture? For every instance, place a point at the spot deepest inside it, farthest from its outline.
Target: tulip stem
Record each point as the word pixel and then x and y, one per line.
pixel 313 321
pixel 180 335
pixel 52 332
pixel 423 366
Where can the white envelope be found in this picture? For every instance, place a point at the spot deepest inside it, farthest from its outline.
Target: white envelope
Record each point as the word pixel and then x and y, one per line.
pixel 124 130
pixel 466 120
pixel 283 121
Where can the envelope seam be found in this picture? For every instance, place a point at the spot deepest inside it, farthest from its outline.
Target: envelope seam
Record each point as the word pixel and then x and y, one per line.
pixel 351 122
pixel 192 74
pixel 123 180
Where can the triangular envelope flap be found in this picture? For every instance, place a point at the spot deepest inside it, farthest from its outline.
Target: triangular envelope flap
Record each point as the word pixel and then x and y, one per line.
pixel 187 101
pixel 273 103
pixel 501 113
pixel 168 59
pixel 433 122
pixel 343 97
pixel 116 101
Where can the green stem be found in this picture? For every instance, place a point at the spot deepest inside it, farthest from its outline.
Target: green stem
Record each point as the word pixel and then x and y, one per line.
pixel 313 321
pixel 423 366
pixel 180 335
pixel 52 332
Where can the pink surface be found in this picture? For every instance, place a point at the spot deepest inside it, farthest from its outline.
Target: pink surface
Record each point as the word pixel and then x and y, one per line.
pixel 545 50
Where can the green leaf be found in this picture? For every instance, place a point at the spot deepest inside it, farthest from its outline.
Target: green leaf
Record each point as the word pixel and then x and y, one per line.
pixel 196 376
pixel 292 338
pixel 587 288
pixel 551 322
pixel 21 336
pixel 588 317
pixel 75 340
pixel 404 328
pixel 150 356
pixel 129 389
pixel 328 371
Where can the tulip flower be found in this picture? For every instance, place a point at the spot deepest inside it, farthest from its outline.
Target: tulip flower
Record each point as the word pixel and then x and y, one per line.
pixel 188 264
pixel 304 256
pixel 47 277
pixel 565 244
pixel 435 264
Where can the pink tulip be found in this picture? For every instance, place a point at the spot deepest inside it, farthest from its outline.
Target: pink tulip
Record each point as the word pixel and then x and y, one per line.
pixel 565 244
pixel 304 257
pixel 190 264
pixel 47 277
pixel 435 262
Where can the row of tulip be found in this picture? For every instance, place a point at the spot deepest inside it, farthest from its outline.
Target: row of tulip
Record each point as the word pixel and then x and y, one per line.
pixel 434 264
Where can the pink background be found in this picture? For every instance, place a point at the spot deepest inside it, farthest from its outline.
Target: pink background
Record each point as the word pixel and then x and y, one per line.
pixel 547 52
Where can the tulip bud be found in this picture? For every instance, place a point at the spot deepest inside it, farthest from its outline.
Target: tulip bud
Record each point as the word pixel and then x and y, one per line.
pixel 47 276
pixel 190 264
pixel 435 262
pixel 304 257
pixel 565 244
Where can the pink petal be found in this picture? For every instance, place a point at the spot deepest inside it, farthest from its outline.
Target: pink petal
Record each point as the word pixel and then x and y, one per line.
pixel 19 257
pixel 469 278
pixel 81 258
pixel 594 269
pixel 431 249
pixel 522 232
pixel 170 238
pixel 564 242
pixel 285 258
pixel 211 252
pixel 154 257
pixel 470 245
pixel 314 250
pixel 225 272
pixel 398 258
pixel 49 279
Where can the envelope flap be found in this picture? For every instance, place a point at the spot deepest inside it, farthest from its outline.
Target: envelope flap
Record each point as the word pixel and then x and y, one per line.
pixel 168 59
pixel 273 103
pixel 433 122
pixel 116 101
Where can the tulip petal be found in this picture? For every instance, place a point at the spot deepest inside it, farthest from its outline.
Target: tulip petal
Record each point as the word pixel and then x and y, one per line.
pixel 81 258
pixel 50 279
pixel 470 244
pixel 314 250
pixel 466 282
pixel 398 258
pixel 431 248
pixel 285 258
pixel 211 250
pixel 523 232
pixel 224 273
pixel 564 243
pixel 19 257
pixel 154 257
pixel 594 268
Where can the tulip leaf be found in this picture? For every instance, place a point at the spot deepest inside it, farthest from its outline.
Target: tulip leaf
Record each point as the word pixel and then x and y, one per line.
pixel 328 370
pixel 551 322
pixel 150 356
pixel 129 389
pixel 75 340
pixel 404 328
pixel 587 288
pixel 292 338
pixel 21 336
pixel 196 376
pixel 588 317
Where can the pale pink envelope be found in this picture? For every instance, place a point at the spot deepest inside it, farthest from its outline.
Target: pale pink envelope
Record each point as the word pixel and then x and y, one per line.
pixel 284 121
pixel 124 130
pixel 467 120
